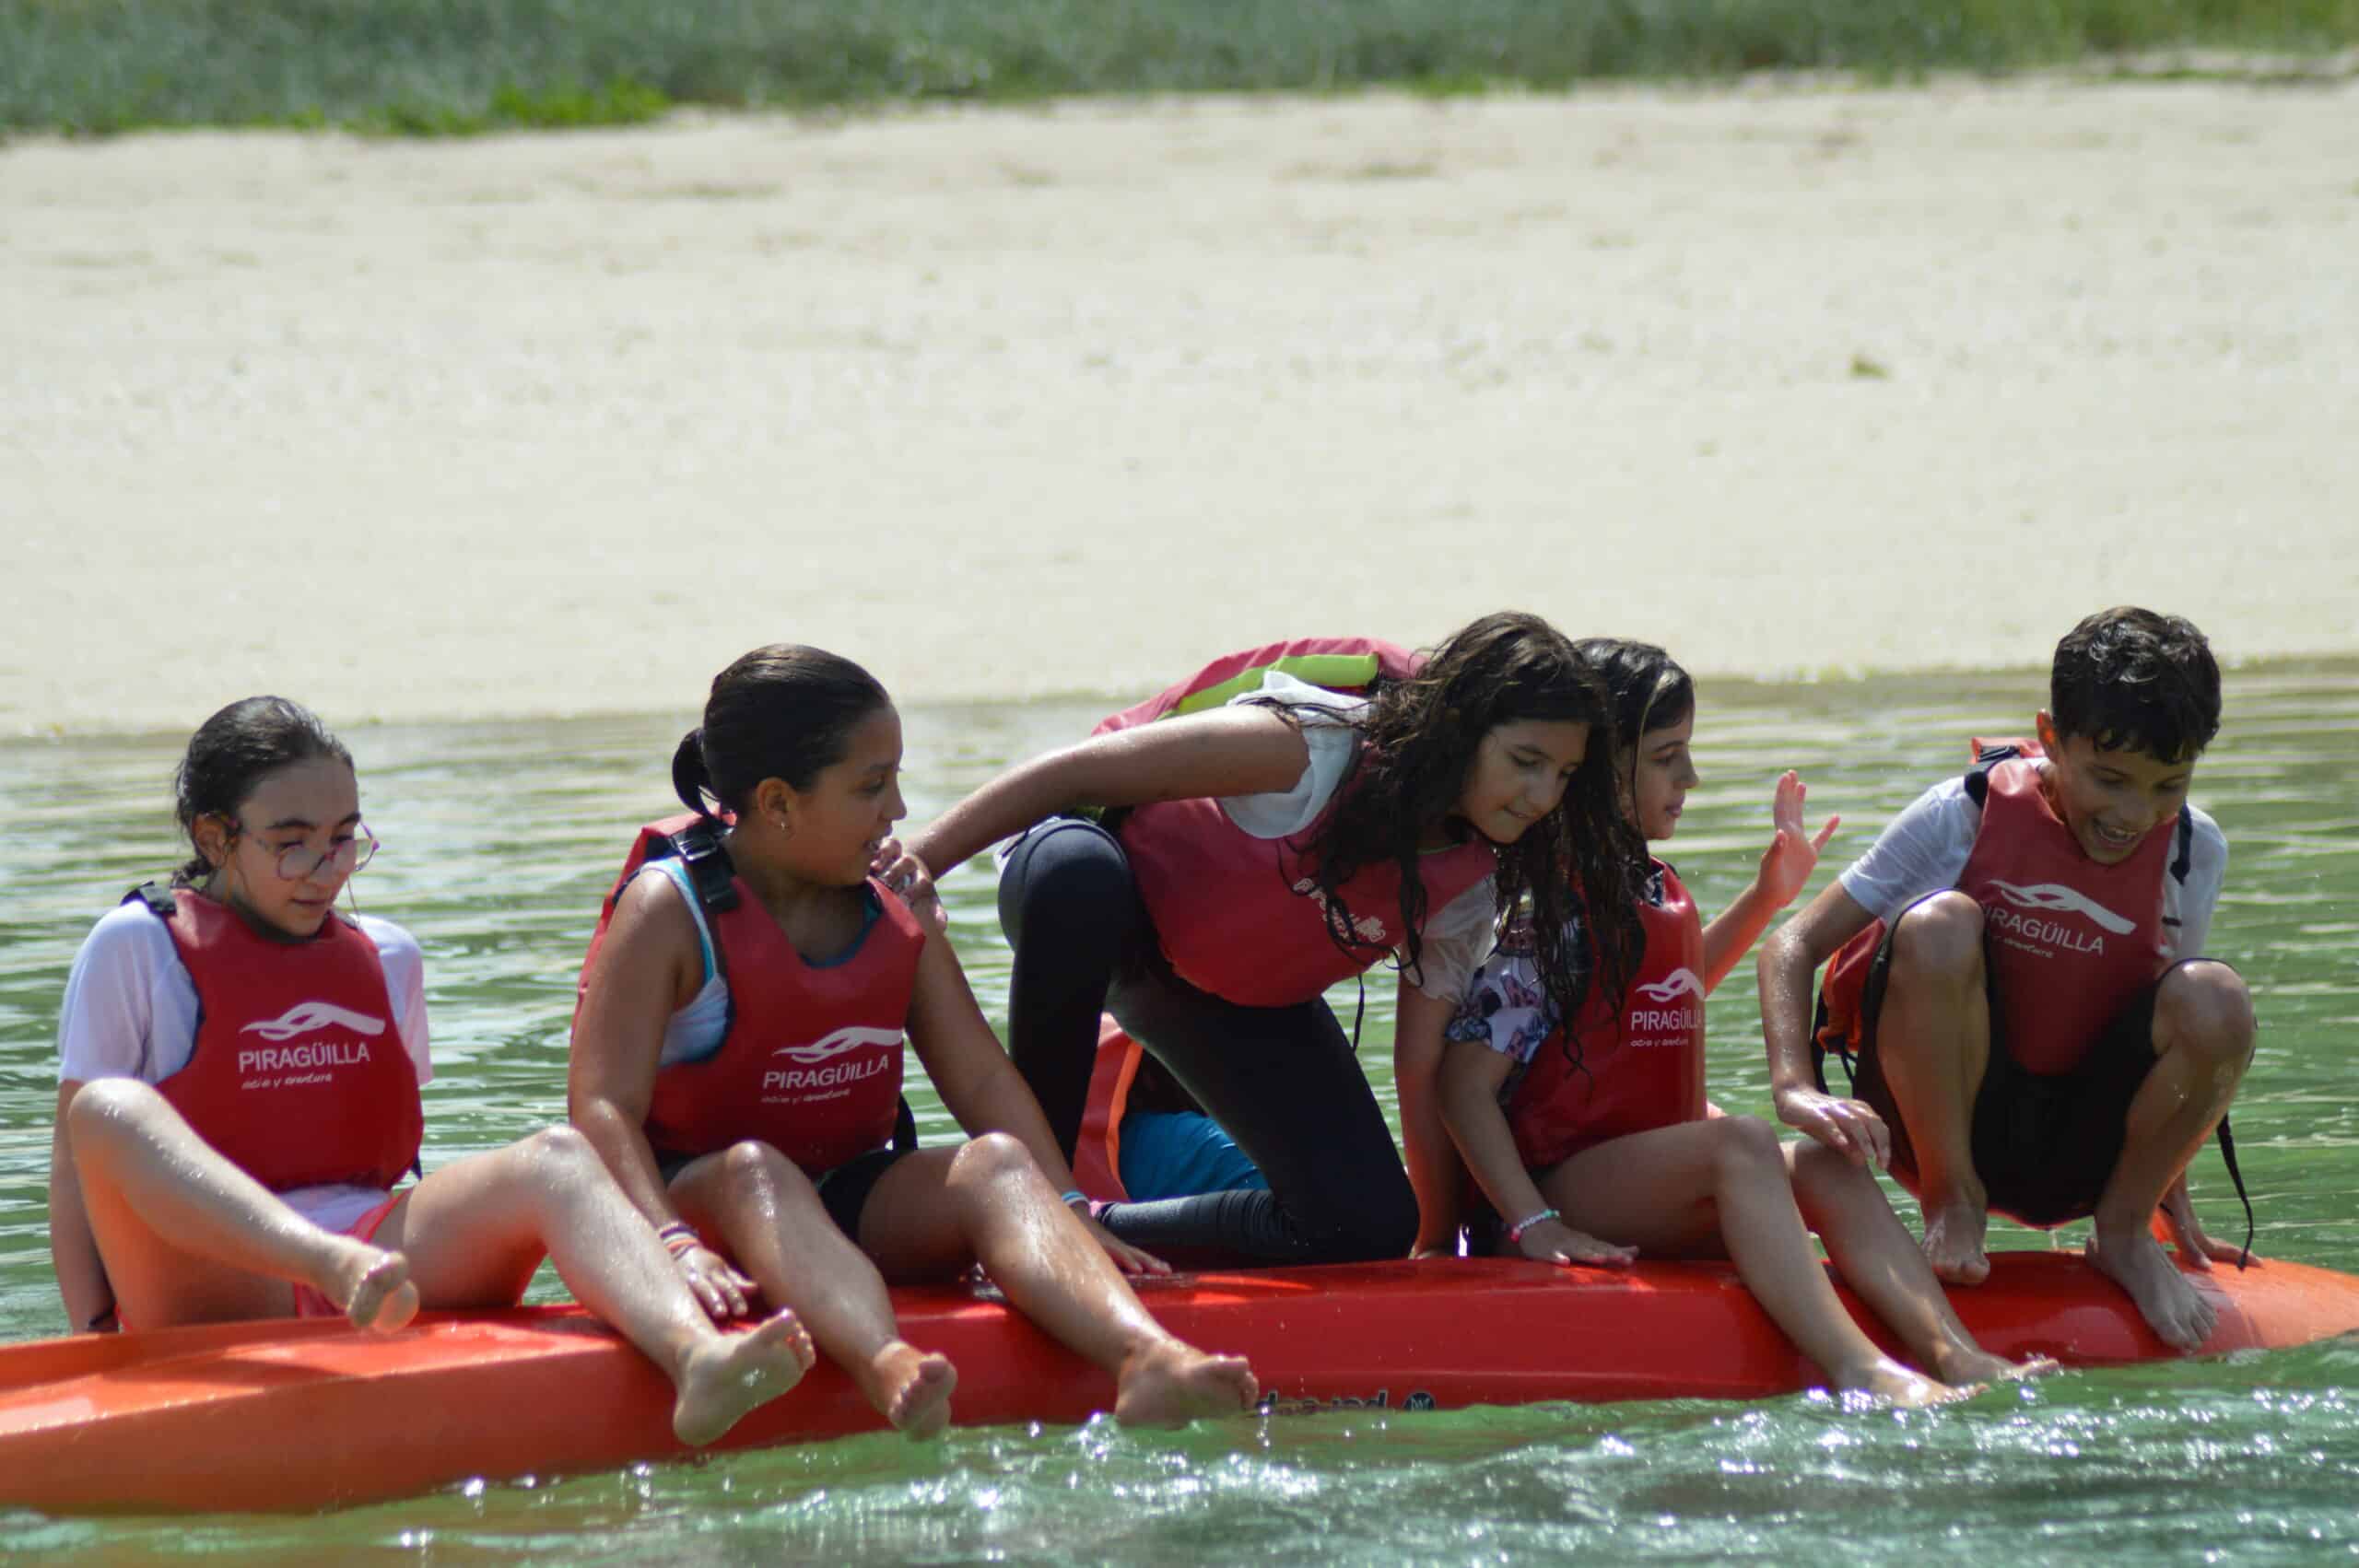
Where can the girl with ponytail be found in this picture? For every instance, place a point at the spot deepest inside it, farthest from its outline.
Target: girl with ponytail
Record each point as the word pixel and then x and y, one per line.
pixel 1588 1130
pixel 738 1054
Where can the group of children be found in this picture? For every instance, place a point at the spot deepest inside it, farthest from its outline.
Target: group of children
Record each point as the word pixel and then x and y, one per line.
pixel 2018 984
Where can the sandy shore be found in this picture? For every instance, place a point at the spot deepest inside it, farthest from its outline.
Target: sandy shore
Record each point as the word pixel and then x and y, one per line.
pixel 1012 403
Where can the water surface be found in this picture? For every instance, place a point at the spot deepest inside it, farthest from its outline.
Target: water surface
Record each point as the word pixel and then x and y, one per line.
pixel 500 839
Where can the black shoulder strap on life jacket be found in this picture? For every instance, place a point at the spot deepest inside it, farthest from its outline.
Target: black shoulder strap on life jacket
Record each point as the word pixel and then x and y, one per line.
pixel 710 871
pixel 158 900
pixel 1978 777
pixel 2228 1155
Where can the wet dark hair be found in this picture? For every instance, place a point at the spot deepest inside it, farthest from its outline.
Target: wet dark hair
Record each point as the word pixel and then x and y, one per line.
pixel 1646 689
pixel 783 711
pixel 1418 741
pixel 232 752
pixel 1646 686
pixel 2130 680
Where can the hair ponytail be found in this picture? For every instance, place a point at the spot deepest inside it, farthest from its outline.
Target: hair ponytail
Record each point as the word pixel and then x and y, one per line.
pixel 691 780
pixel 784 712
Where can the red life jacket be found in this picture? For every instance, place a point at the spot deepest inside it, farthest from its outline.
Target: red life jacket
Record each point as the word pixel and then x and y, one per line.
pixel 298 1076
pixel 1240 916
pixel 1097 1158
pixel 1641 1062
pixel 810 1059
pixel 2067 941
pixel 1351 664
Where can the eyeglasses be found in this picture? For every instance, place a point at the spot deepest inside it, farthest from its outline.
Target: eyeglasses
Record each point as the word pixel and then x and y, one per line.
pixel 299 862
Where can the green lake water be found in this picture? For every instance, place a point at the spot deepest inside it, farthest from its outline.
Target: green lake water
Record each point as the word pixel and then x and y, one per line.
pixel 500 839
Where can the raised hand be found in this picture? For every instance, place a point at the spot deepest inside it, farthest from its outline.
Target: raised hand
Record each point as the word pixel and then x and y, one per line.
pixel 1785 865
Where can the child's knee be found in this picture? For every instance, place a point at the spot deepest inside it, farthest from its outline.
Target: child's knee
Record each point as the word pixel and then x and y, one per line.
pixel 1746 1147
pixel 2205 1009
pixel 1939 939
pixel 755 1172
pixel 991 1161
pixel 562 1157
pixel 107 1109
pixel 1075 882
pixel 1824 1180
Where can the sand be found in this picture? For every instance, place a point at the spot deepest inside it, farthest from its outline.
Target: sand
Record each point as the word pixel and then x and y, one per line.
pixel 1797 380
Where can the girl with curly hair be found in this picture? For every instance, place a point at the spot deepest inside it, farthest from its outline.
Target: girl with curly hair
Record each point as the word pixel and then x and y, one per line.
pixel 1589 1131
pixel 1248 855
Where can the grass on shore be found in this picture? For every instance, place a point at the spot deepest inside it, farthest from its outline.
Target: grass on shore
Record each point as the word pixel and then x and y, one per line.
pixel 456 66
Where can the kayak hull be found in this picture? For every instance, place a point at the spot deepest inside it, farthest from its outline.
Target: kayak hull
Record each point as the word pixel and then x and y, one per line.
pixel 294 1416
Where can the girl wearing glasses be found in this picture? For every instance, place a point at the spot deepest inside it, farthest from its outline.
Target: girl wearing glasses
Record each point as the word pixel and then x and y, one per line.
pixel 239 1101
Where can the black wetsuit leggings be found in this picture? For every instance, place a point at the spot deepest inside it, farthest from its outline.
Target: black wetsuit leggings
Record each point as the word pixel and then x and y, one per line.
pixel 1281 1080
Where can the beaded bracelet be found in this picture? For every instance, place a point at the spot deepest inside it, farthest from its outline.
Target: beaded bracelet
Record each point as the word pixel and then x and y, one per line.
pixel 1514 1232
pixel 678 1236
pixel 1077 1196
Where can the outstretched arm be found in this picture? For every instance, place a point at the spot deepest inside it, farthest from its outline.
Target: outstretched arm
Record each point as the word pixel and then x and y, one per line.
pixel 981 1088
pixel 648 966
pixel 1248 750
pixel 1472 1075
pixel 1785 869
pixel 1789 960
pixel 1425 1139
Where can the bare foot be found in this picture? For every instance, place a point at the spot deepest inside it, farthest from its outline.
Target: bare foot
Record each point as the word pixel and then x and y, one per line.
pixel 1166 1383
pixel 727 1375
pixel 912 1388
pixel 1959 1368
pixel 2171 1305
pixel 373 1286
pixel 1952 1242
pixel 1886 1381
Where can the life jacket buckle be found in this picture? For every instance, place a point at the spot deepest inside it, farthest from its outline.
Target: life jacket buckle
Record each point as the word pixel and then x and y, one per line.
pixel 709 869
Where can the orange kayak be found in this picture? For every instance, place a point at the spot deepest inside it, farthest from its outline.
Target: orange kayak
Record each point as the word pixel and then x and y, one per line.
pixel 288 1415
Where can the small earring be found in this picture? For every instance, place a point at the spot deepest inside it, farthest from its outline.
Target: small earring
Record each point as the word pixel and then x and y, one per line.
pixel 784 829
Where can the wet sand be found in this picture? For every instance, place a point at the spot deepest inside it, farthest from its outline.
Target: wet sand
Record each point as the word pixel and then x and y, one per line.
pixel 1795 379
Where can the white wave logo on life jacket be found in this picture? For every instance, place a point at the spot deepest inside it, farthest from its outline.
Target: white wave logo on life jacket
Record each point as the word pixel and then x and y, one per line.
pixel 310 1018
pixel 1671 1010
pixel 1683 982
pixel 2054 898
pixel 836 1042
pixel 1367 928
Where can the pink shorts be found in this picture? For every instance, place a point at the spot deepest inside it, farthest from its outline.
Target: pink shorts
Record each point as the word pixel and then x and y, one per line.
pixel 309 1303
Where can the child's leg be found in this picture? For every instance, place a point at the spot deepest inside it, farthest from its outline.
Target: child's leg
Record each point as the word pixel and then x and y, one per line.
pixel 1877 1257
pixel 765 1210
pixel 987 1200
pixel 1284 1082
pixel 1720 1187
pixel 1933 1045
pixel 188 1237
pixel 1069 907
pixel 474 1231
pixel 2204 1040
